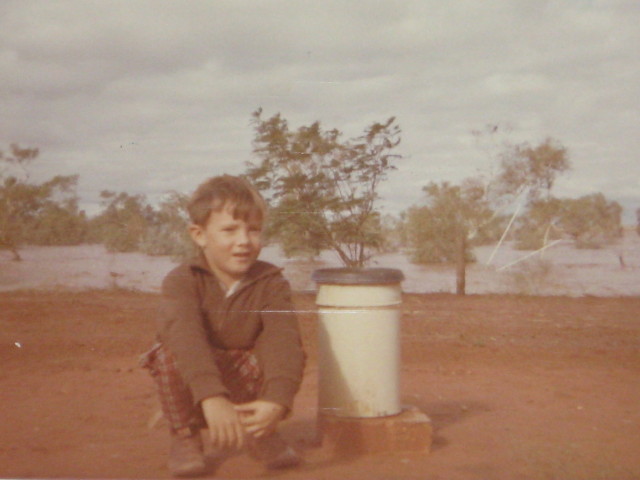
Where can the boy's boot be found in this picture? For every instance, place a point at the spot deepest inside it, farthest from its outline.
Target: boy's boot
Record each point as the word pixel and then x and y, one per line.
pixel 274 452
pixel 186 455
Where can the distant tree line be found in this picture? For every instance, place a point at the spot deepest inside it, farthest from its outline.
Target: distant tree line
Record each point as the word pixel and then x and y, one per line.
pixel 48 213
pixel 526 175
pixel 323 195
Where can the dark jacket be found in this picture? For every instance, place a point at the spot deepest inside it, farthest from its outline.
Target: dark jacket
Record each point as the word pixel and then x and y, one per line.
pixel 195 317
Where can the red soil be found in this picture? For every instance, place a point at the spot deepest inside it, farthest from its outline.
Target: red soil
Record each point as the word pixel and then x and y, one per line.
pixel 516 388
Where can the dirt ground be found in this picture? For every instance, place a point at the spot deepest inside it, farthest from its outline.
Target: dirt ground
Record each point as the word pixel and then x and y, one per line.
pixel 516 388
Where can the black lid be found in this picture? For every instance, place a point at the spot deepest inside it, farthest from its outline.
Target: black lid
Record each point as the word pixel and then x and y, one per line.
pixel 357 276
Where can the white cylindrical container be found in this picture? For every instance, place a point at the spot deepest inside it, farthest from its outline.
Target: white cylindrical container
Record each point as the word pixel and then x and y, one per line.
pixel 359 341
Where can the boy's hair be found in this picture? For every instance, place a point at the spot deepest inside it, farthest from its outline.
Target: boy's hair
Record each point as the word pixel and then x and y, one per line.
pixel 225 190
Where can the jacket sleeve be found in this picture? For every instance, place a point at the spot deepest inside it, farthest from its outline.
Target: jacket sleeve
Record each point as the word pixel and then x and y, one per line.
pixel 182 330
pixel 279 346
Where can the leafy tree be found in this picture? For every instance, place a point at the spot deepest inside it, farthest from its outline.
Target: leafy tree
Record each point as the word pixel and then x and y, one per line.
pixel 60 222
pixel 322 189
pixel 16 196
pixel 453 220
pixel 28 210
pixel 532 169
pixel 128 223
pixel 168 233
pixel 590 221
pixel 450 212
pixel 123 223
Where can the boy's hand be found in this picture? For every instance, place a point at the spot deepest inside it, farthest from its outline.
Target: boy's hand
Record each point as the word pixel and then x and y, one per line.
pixel 260 417
pixel 223 421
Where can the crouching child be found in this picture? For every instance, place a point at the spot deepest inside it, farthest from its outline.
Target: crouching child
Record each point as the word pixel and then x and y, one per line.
pixel 229 356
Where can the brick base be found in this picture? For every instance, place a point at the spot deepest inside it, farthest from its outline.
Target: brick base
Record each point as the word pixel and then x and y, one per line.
pixel 409 431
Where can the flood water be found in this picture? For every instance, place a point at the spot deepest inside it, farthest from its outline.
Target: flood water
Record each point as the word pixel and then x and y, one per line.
pixel 559 270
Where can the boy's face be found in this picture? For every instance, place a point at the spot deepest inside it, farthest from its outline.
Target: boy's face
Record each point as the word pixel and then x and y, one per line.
pixel 230 245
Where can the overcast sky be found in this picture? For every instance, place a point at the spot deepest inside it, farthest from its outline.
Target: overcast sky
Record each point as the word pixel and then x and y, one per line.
pixel 152 96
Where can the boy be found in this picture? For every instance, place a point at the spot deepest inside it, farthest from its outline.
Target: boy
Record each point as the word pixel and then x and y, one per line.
pixel 229 354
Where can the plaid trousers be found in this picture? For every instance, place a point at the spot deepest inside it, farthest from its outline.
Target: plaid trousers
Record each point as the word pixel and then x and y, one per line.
pixel 239 369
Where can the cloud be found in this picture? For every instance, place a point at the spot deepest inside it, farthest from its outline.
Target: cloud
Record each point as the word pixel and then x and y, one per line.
pixel 174 84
